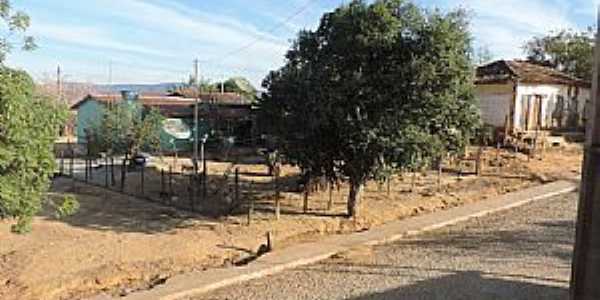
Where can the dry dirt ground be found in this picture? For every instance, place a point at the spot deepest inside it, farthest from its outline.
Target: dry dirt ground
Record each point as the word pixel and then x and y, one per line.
pixel 117 244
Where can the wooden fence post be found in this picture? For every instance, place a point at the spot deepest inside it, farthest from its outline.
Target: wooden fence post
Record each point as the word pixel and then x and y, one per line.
pixel 389 187
pixel 306 192
pixel 277 196
pixel 440 171
pixel 330 200
pixel 237 186
pixel 250 205
pixel 413 180
pixel 478 162
pixel 191 190
pixel 498 163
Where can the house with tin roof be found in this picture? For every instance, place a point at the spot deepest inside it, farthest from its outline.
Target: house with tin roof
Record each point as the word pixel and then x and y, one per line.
pixel 521 98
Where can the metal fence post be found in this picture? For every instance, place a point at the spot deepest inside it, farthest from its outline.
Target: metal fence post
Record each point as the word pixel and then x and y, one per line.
pixel 106 171
pixel 71 165
pixel 112 171
pixel 142 179
pixel 204 177
pixel 191 188
pixel 62 163
pixel 162 183
pixel 170 181
pixel 91 169
pixel 86 170
pixel 123 173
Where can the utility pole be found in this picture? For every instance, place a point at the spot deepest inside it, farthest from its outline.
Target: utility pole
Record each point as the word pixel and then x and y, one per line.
pixel 197 83
pixel 585 272
pixel 222 84
pixel 59 88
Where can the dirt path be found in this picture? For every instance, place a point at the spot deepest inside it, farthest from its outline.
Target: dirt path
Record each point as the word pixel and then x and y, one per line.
pixel 117 244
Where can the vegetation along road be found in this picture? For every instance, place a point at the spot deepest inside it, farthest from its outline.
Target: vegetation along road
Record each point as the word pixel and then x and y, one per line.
pixel 524 253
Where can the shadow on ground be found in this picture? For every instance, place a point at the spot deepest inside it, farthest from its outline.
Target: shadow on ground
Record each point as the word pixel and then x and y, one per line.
pixel 552 238
pixel 471 285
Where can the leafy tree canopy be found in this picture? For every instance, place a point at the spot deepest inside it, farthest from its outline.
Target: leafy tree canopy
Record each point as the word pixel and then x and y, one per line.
pixel 566 50
pixel 376 87
pixel 238 85
pixel 15 25
pixel 29 126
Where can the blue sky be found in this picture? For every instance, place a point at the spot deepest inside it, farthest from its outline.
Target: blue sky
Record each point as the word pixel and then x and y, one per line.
pixel 150 41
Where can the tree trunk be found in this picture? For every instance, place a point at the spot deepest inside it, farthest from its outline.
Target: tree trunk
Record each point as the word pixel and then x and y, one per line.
pixel 354 199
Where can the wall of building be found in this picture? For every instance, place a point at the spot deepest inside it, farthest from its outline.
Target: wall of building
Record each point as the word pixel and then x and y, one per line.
pixel 494 102
pixel 88 116
pixel 554 115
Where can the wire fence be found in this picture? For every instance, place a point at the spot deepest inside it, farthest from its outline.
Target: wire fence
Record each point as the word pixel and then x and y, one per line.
pixel 167 184
pixel 227 190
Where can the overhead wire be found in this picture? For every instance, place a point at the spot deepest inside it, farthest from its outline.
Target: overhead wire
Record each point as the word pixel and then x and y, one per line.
pixel 218 62
pixel 243 48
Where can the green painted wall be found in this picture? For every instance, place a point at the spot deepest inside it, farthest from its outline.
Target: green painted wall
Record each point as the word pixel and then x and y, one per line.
pixel 90 113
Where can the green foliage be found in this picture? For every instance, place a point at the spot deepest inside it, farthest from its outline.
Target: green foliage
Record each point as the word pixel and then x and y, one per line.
pixel 376 86
pixel 239 85
pixel 69 207
pixel 16 24
pixel 567 51
pixel 29 126
pixel 126 128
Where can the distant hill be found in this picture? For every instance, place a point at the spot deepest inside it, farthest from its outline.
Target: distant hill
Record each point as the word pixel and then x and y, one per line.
pixel 142 88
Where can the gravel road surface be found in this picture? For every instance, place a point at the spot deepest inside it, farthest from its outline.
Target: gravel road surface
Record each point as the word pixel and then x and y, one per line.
pixel 524 253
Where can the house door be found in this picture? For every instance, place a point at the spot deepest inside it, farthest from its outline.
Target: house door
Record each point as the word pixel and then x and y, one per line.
pixel 531 117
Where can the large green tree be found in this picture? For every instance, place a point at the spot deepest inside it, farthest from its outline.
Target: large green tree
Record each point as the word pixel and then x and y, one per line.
pixel 566 50
pixel 376 87
pixel 29 126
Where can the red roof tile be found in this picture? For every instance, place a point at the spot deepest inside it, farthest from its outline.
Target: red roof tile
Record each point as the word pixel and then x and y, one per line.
pixel 508 70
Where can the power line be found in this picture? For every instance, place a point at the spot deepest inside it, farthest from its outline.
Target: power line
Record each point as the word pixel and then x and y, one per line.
pixel 271 30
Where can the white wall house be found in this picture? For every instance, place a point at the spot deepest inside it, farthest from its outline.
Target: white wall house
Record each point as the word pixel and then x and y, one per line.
pixel 521 97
